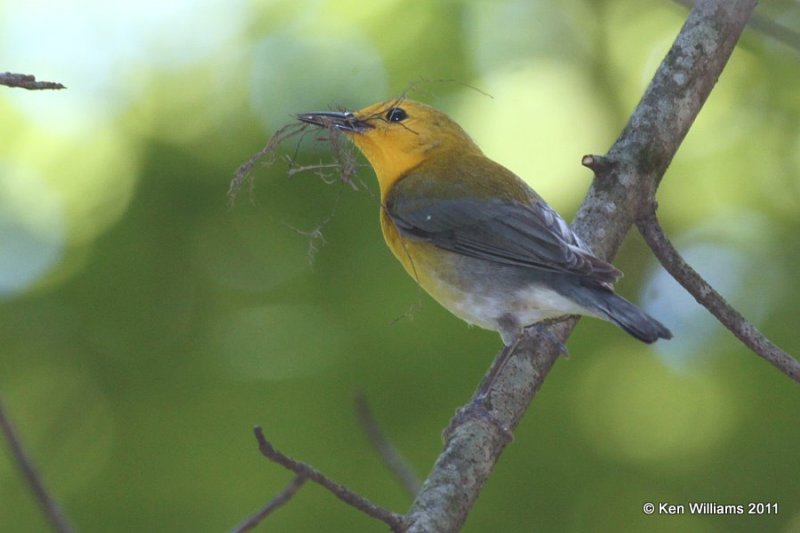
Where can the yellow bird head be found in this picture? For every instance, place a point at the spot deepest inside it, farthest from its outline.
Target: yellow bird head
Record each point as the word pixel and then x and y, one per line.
pixel 397 135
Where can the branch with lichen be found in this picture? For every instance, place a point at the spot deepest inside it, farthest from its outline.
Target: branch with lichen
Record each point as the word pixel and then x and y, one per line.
pixel 622 194
pixel 636 163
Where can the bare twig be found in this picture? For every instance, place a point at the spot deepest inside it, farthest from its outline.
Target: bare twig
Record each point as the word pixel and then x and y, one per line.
pixel 767 26
pixel 52 511
pixel 637 161
pixel 26 81
pixel 598 164
pixel 393 520
pixel 281 499
pixel 710 299
pixel 388 453
pixel 632 171
pixel 779 32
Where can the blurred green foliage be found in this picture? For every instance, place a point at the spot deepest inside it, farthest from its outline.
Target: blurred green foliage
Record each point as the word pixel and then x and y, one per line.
pixel 146 327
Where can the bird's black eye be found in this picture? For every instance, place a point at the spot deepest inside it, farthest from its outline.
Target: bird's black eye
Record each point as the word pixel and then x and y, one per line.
pixel 396 114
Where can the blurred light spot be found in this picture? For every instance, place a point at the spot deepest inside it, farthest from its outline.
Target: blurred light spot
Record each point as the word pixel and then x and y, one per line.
pixel 95 49
pixel 92 176
pixel 542 119
pixel 279 342
pixel 211 112
pixel 529 29
pixel 793 525
pixel 303 71
pixel 719 161
pixel 67 425
pixel 778 181
pixel 732 255
pixel 635 409
pixel 236 255
pixel 31 229
pixel 716 128
pixel 637 37
pixel 368 12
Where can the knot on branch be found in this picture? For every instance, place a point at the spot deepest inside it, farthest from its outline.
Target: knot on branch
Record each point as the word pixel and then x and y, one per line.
pixel 647 211
pixel 601 166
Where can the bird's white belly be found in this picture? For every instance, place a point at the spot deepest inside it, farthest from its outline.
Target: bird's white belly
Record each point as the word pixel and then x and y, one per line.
pixel 524 306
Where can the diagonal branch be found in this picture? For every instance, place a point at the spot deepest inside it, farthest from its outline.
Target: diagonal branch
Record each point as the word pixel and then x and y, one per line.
pixel 393 520
pixel 637 162
pixel 282 498
pixel 395 462
pixel 767 26
pixel 52 511
pixel 712 300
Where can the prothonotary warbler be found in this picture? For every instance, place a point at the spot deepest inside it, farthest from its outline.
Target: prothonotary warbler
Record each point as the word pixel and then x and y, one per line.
pixel 475 236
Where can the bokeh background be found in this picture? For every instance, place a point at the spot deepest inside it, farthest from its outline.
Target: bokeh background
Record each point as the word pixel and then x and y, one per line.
pixel 145 326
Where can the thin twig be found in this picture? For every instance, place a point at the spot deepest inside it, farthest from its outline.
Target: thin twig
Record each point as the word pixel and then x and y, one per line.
pixel 641 154
pixel 393 520
pixel 782 34
pixel 396 464
pixel 26 81
pixel 767 26
pixel 52 511
pixel 281 499
pixel 710 299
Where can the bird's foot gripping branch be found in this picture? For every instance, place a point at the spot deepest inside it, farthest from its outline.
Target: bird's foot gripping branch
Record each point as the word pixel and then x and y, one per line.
pixel 425 223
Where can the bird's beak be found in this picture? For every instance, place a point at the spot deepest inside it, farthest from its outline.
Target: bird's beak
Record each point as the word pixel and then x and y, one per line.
pixel 344 121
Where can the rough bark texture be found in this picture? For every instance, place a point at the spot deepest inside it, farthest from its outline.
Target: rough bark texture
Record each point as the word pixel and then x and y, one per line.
pixel 636 163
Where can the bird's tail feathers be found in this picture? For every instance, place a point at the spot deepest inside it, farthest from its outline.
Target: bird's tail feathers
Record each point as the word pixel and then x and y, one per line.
pixel 629 317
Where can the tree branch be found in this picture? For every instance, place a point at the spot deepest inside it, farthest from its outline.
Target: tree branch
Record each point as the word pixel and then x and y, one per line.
pixel 710 299
pixel 767 26
pixel 52 512
pixel 281 499
pixel 393 520
pixel 26 81
pixel 637 162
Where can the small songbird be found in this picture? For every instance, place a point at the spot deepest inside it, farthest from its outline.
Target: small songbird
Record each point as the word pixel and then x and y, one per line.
pixel 475 236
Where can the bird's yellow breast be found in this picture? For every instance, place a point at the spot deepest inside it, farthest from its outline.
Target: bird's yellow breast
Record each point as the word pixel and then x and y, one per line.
pixel 424 262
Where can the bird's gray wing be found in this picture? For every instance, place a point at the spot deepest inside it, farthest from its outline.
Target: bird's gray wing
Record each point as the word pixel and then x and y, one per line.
pixel 527 234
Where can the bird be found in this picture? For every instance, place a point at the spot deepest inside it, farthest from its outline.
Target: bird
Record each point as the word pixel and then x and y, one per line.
pixel 473 234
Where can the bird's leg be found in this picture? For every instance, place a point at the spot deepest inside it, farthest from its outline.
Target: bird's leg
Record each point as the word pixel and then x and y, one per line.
pixel 499 363
pixel 477 408
pixel 543 328
pixel 508 351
